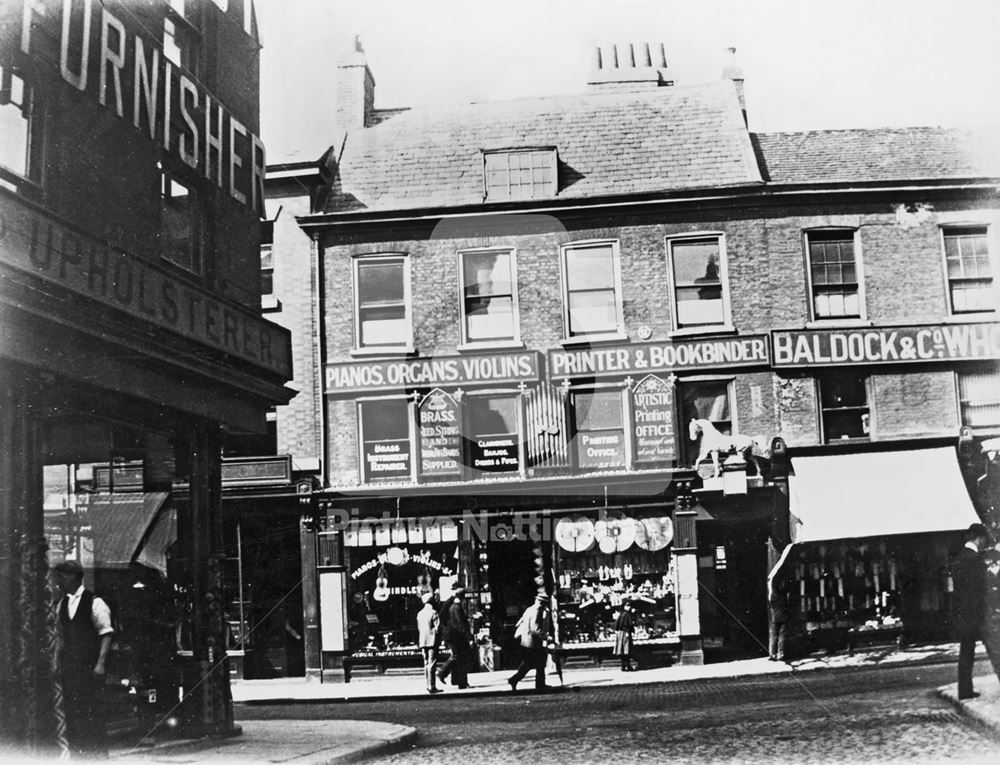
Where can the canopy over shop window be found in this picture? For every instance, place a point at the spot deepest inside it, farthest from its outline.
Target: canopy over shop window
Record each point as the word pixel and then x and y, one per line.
pixel 123 523
pixel 866 495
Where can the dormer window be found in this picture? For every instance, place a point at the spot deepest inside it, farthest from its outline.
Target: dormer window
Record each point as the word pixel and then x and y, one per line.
pixel 519 174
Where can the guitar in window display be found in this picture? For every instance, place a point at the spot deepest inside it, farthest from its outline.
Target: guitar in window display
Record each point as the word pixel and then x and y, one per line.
pixel 381 591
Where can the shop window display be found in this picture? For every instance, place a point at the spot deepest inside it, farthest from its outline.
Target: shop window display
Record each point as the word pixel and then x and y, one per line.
pixel 603 563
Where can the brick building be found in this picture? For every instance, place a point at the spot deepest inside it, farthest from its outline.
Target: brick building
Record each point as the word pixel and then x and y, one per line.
pixel 133 346
pixel 535 316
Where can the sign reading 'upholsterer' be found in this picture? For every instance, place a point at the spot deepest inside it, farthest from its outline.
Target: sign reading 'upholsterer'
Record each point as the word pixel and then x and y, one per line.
pixel 37 244
pixel 887 345
pixel 643 358
pixel 355 377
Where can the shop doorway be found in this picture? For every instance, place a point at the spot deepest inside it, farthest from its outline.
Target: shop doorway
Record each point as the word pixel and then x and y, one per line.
pixel 511 575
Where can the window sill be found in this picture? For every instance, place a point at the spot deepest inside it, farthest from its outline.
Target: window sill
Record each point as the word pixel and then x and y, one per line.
pixel 837 323
pixel 714 329
pixel 391 350
pixel 976 317
pixel 608 337
pixel 269 304
pixel 500 345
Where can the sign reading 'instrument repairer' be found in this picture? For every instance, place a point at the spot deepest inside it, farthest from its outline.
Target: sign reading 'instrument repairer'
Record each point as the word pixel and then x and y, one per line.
pixel 612 361
pixel 362 376
pixel 887 345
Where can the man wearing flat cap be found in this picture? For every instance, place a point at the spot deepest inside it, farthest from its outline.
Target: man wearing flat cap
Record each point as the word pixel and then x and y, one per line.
pixel 427 638
pixel 84 641
pixel 968 575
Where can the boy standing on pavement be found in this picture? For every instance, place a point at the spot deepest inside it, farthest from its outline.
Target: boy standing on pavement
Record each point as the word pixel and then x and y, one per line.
pixel 84 641
pixel 427 638
pixel 968 574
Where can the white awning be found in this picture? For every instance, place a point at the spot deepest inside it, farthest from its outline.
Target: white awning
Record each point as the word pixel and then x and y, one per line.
pixel 877 493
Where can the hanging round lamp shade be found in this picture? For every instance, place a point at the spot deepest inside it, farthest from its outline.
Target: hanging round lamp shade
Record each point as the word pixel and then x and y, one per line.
pixel 575 534
pixel 615 534
pixel 654 533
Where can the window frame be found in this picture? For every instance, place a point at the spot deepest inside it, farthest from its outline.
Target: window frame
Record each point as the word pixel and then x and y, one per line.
pixel 687 452
pixel 994 263
pixel 961 403
pixel 196 223
pixel 866 379
pixel 618 333
pixel 530 150
pixel 859 274
pixel 626 421
pixel 184 17
pixel 10 177
pixel 405 347
pixel 515 340
pixel 359 405
pixel 726 323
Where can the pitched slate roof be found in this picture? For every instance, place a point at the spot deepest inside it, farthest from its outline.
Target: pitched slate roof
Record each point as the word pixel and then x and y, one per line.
pixel 884 154
pixel 662 139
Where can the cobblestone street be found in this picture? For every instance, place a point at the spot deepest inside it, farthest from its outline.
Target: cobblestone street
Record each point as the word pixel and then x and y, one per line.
pixel 883 715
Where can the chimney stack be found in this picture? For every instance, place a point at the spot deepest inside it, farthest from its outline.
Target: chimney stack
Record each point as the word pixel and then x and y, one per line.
pixel 733 71
pixel 630 66
pixel 355 89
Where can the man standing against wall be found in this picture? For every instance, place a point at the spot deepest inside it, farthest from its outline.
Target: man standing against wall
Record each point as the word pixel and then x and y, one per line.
pixel 84 641
pixel 968 573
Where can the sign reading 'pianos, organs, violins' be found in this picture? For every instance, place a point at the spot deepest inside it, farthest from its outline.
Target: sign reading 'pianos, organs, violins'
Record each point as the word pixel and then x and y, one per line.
pixel 440 435
pixel 653 420
pixel 886 345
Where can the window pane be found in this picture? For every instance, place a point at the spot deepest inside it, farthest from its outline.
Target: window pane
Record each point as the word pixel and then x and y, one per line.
pixel 973 296
pixel 487 273
pixel 699 305
pixel 590 268
pixel 380 282
pixel 706 401
pixel 177 230
pixel 493 416
pixel 696 262
pixel 383 326
pixel 490 318
pixel 600 410
pixel 385 420
pixel 14 132
pixel 850 423
pixel 979 393
pixel 592 312
pixel 843 392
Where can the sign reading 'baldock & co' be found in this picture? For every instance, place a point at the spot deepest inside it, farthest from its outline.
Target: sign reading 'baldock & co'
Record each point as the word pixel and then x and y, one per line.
pixel 886 345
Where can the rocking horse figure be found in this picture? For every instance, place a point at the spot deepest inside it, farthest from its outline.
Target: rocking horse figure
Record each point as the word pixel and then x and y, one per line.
pixel 713 442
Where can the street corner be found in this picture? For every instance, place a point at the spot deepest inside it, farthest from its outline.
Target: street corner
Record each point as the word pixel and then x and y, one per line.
pixel 984 708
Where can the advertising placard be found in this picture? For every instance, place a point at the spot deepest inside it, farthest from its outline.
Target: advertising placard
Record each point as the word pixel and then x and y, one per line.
pixel 653 420
pixel 440 435
pixel 387 460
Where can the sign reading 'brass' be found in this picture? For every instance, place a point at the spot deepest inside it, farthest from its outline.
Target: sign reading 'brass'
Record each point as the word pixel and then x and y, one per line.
pixel 887 345
pixel 33 242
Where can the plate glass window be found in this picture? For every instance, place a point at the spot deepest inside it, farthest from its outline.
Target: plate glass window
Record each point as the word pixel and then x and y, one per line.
pixel 179 225
pixel 844 408
pixel 833 273
pixel 979 396
pixel 493 434
pixel 488 296
pixel 13 128
pixel 696 267
pixel 520 174
pixel 970 275
pixel 599 427
pixel 704 400
pixel 381 306
pixel 591 290
pixel 385 439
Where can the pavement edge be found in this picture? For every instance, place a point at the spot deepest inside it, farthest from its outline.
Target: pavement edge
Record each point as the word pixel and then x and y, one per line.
pixel 949 694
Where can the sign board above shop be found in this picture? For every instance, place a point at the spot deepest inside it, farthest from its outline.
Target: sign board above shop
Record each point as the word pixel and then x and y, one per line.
pixel 886 345
pixel 644 358
pixel 406 374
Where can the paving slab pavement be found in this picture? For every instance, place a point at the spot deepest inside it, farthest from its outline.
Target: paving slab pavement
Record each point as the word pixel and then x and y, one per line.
pixel 985 709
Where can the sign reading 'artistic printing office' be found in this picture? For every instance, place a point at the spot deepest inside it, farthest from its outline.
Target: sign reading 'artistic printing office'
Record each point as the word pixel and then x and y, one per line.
pixel 653 420
pixel 366 376
pixel 643 358
pixel 887 345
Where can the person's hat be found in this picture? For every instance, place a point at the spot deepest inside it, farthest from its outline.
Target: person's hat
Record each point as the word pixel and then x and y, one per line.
pixel 977 530
pixel 427 597
pixel 68 567
pixel 458 591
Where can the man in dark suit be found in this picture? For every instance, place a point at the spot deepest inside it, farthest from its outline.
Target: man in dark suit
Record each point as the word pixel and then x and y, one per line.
pixel 968 575
pixel 778 633
pixel 458 635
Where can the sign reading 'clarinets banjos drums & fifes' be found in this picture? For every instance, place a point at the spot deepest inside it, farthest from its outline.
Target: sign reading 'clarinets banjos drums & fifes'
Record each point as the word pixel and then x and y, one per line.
pixel 653 420
pixel 440 435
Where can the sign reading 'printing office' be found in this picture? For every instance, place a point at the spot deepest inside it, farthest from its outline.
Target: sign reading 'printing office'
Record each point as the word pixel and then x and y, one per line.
pixel 887 345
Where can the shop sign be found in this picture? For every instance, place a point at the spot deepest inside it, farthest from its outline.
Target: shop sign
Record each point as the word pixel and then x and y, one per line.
pixel 890 345
pixel 119 65
pixel 653 420
pixel 387 460
pixel 39 245
pixel 363 376
pixel 640 358
pixel 601 449
pixel 440 435
pixel 496 454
